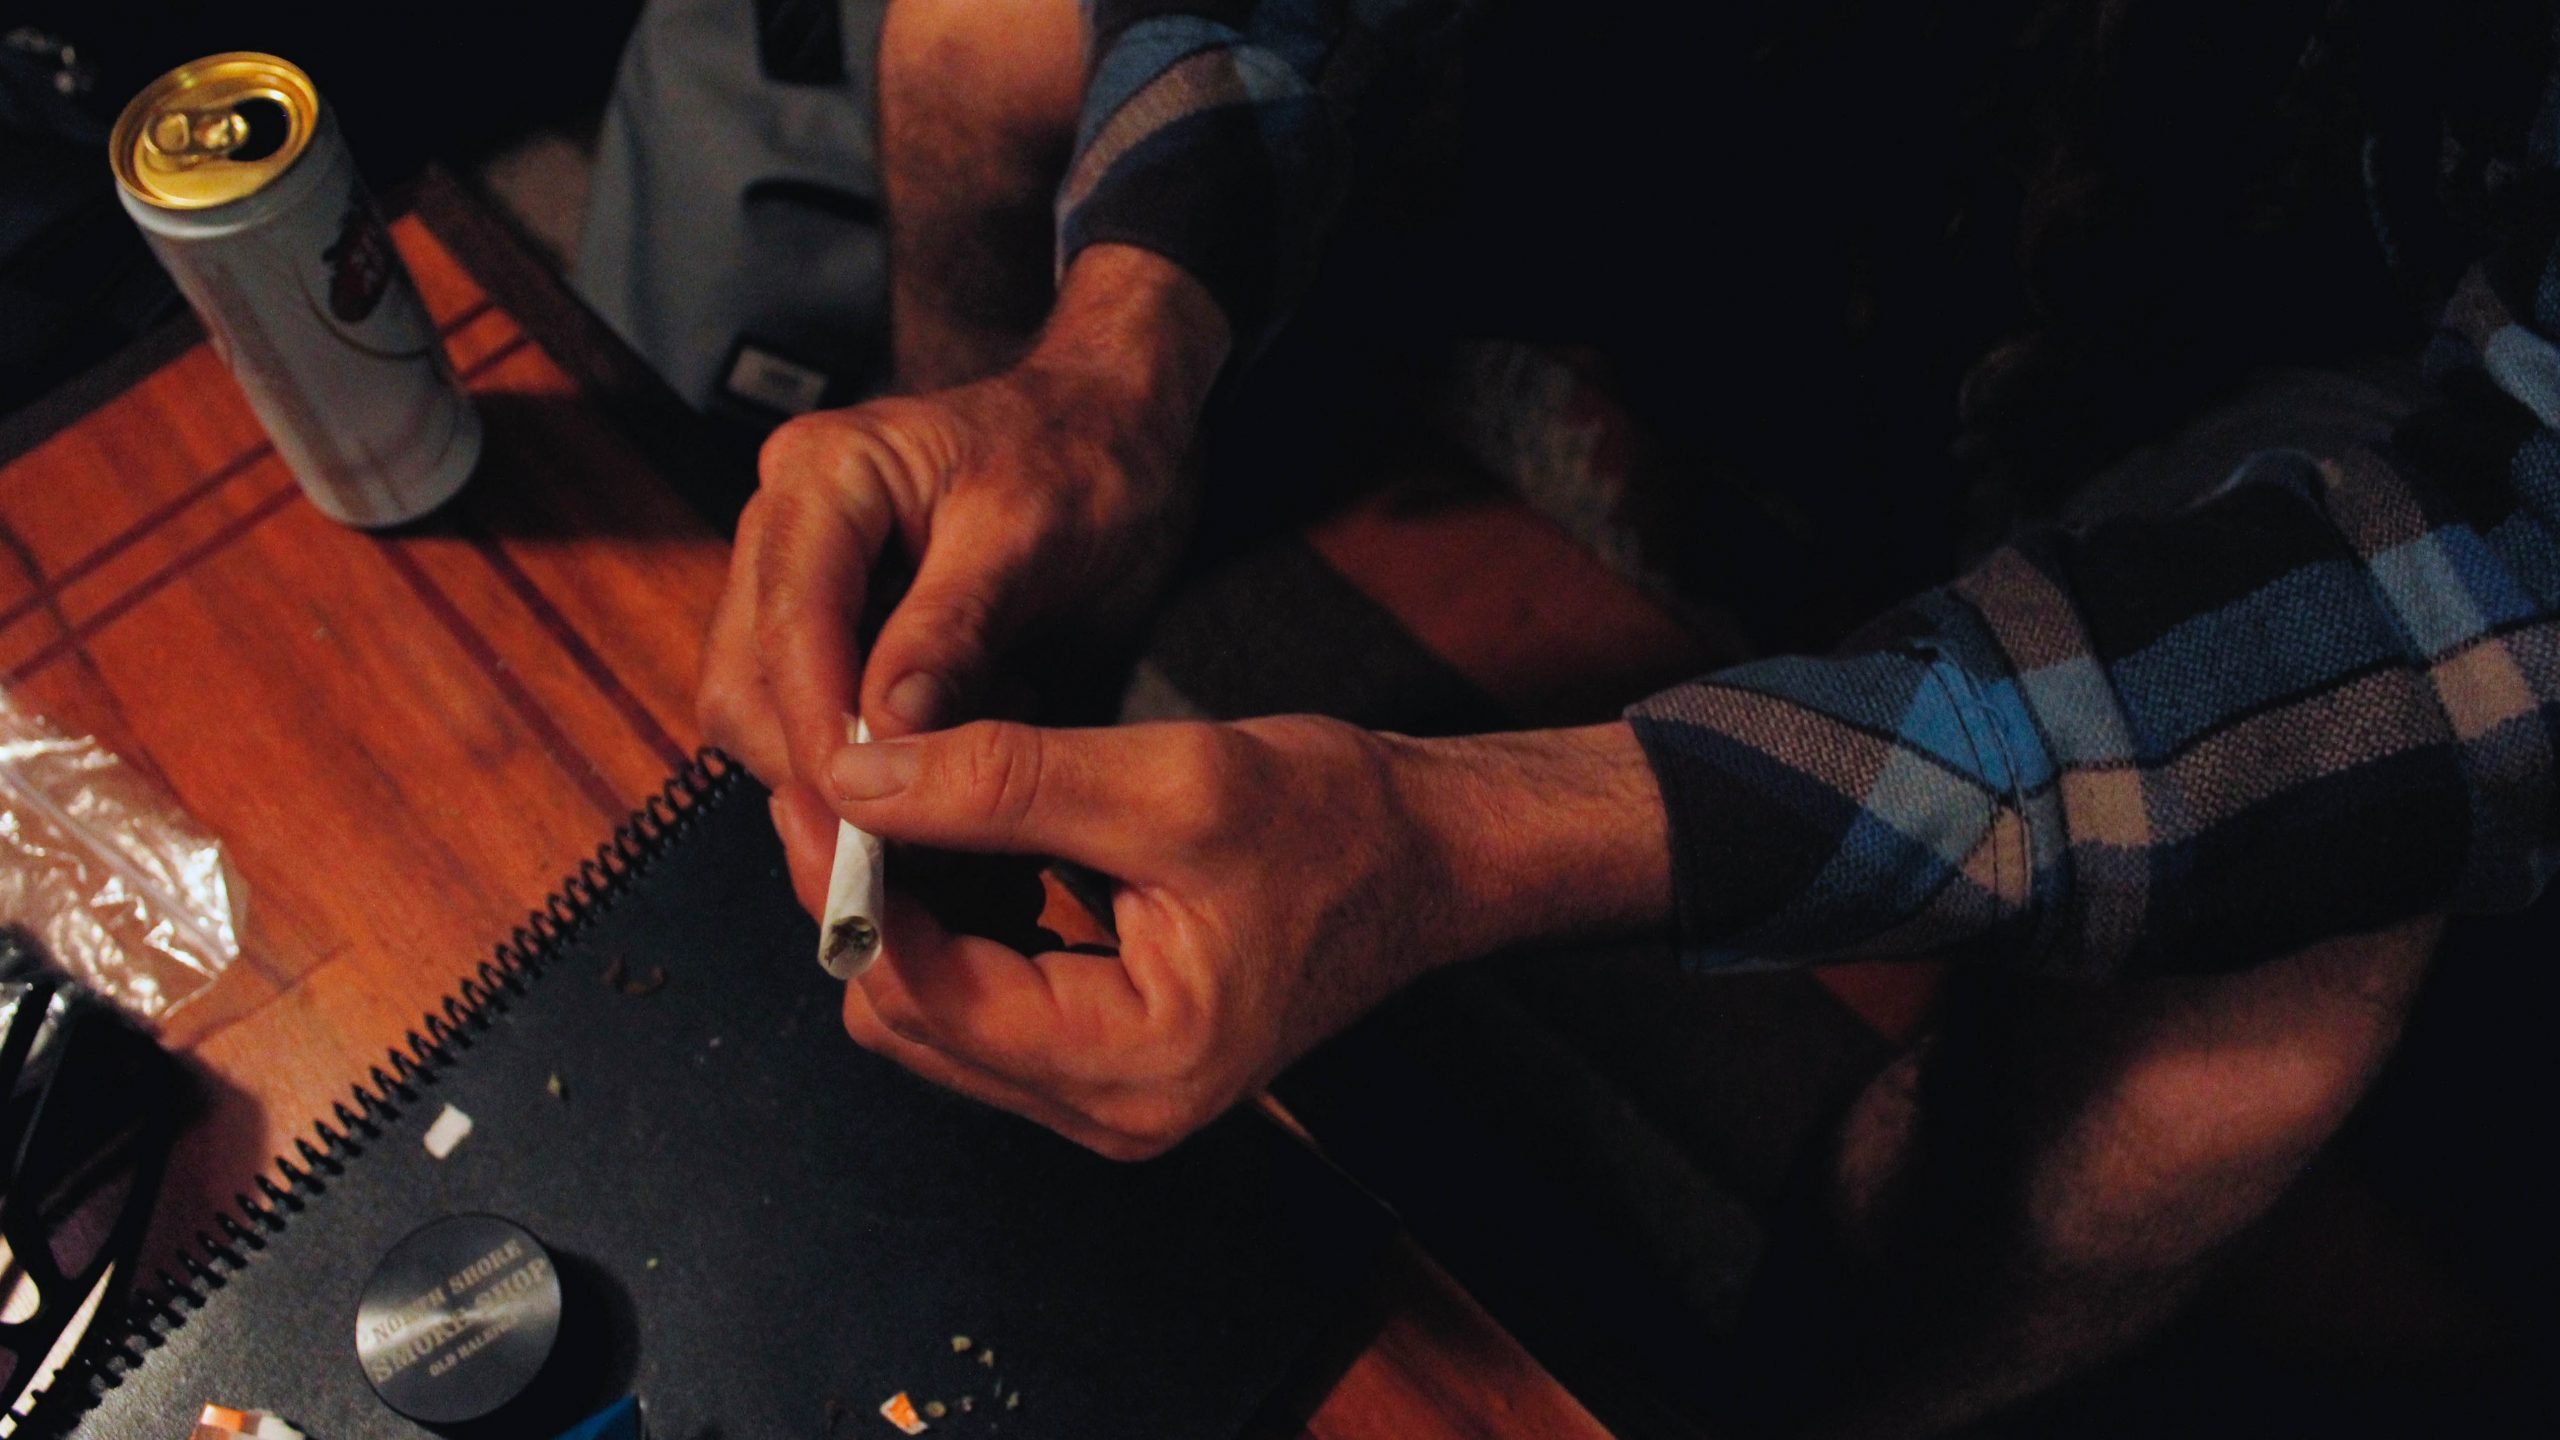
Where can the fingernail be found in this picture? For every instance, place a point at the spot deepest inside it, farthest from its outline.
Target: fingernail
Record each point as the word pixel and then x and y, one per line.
pixel 871 772
pixel 918 700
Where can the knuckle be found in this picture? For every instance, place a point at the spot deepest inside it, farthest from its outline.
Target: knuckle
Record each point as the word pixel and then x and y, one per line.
pixel 1001 763
pixel 1210 790
pixel 812 455
pixel 959 616
pixel 793 448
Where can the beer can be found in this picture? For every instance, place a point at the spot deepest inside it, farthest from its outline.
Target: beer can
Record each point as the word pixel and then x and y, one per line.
pixel 234 168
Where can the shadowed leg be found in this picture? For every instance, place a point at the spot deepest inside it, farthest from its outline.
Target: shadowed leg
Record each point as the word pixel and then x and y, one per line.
pixel 977 114
pixel 2053 1174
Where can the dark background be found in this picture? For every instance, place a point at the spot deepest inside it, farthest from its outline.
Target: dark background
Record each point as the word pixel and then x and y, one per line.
pixel 1875 272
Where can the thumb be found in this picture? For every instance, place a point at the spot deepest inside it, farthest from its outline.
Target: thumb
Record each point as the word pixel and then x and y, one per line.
pixel 997 787
pixel 933 654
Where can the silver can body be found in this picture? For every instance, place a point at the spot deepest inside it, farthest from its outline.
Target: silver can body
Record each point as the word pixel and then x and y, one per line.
pixel 314 314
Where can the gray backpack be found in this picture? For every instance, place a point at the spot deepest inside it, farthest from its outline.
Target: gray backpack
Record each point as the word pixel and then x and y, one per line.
pixel 735 231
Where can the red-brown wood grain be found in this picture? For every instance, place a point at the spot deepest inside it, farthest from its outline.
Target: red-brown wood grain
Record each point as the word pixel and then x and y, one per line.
pixel 405 739
pixel 449 715
pixel 1441 1367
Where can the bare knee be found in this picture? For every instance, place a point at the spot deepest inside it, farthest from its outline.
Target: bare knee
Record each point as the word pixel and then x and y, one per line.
pixel 981 80
pixel 2215 1096
pixel 1873 1163
pixel 977 112
pixel 2128 1132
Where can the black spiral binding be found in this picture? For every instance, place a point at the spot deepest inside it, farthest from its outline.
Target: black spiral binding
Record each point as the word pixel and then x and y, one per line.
pixel 151 1312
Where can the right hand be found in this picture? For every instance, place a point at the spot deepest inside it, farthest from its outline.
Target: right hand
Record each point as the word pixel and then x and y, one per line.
pixel 1050 492
pixel 1271 880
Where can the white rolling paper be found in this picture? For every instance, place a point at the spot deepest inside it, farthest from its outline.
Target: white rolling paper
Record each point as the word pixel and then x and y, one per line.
pixel 849 934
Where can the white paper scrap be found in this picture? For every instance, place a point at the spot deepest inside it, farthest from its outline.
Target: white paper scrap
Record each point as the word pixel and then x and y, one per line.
pixel 448 1131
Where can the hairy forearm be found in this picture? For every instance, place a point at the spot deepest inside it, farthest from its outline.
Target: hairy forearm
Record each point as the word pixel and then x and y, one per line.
pixel 1541 836
pixel 1145 333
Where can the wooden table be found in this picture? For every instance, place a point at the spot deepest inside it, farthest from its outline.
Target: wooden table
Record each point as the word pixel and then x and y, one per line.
pixel 404 740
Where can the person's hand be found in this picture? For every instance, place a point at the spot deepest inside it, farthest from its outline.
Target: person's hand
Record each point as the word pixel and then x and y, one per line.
pixel 1273 880
pixel 1047 495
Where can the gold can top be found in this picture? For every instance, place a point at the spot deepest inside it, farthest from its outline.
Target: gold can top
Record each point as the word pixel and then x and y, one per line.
pixel 214 130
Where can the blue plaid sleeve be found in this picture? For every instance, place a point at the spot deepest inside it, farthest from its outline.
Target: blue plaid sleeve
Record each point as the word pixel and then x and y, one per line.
pixel 1222 134
pixel 2320 701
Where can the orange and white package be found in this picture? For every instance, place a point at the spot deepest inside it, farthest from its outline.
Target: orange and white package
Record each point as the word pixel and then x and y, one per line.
pixel 221 1422
pixel 900 1411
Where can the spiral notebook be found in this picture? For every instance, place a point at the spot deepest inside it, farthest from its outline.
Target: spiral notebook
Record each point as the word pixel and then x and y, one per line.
pixel 781 1230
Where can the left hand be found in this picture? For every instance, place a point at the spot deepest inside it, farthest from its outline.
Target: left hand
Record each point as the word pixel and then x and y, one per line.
pixel 1274 879
pixel 1050 498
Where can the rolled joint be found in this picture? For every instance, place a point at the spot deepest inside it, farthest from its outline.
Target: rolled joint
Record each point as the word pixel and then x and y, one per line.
pixel 849 931
pixel 849 945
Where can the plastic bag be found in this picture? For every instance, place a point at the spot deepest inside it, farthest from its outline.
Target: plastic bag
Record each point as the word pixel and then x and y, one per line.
pixel 122 889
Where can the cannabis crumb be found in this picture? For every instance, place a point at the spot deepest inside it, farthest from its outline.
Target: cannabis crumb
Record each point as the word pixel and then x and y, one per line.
pixel 959 1343
pixel 553 1085
pixel 617 977
pixel 934 1410
pixel 653 1262
pixel 987 1358
pixel 1013 1401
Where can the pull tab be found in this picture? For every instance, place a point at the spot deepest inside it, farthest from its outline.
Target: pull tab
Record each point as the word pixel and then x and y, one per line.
pixel 247 131
pixel 177 139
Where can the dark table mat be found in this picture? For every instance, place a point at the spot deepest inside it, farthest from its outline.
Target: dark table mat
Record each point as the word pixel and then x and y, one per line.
pixel 782 1230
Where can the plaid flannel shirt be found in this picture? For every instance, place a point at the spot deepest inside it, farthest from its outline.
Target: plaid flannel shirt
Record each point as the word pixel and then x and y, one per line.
pixel 2320 701
pixel 1222 134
